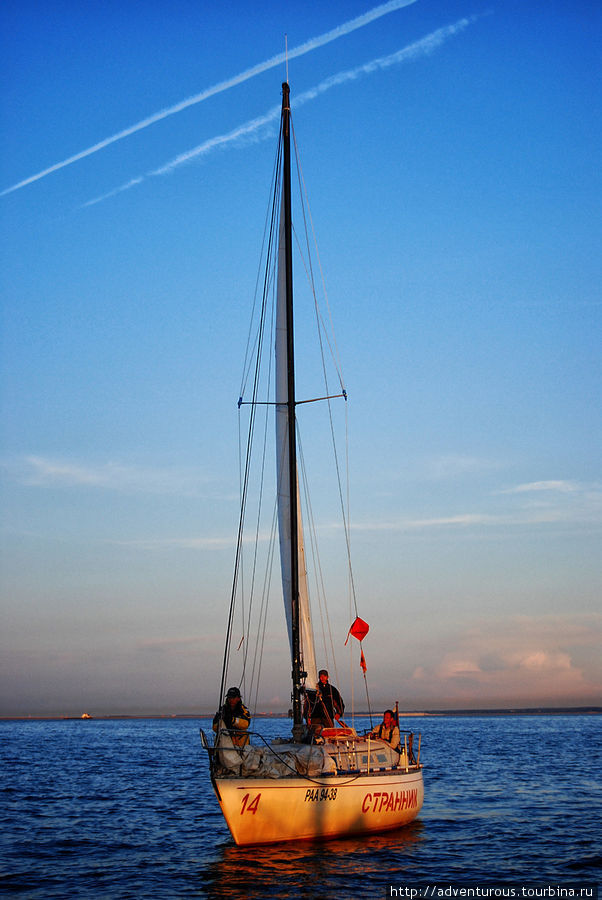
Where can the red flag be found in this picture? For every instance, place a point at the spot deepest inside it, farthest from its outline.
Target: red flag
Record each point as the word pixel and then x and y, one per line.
pixel 363 662
pixel 359 630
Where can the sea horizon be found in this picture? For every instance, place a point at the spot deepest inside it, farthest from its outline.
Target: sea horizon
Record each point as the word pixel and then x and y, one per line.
pixel 486 711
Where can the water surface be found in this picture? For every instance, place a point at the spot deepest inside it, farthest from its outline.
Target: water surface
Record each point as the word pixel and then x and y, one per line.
pixel 124 808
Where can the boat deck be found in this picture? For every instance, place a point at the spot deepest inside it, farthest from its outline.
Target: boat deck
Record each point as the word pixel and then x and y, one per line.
pixel 248 754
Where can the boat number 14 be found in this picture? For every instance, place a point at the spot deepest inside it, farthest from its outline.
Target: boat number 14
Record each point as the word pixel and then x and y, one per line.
pixel 252 806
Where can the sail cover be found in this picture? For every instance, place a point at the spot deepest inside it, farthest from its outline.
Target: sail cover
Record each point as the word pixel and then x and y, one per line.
pixel 282 474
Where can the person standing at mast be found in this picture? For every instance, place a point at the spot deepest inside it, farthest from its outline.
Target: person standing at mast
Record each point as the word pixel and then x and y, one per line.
pixel 328 706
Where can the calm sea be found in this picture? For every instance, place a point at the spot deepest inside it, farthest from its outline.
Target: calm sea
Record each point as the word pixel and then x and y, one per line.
pixel 125 809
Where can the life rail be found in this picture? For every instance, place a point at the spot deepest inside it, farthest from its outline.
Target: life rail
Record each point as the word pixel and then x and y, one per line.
pixel 369 757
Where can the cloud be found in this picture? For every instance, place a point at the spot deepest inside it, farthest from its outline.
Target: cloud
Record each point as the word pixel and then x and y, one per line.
pixel 457 465
pixel 564 487
pixel 44 472
pixel 531 660
pixel 557 501
pixel 181 543
pixel 312 44
pixel 245 132
pixel 192 542
pixel 408 524
pixel 537 503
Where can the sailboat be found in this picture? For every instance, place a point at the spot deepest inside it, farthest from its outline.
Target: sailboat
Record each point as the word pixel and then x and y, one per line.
pixel 319 783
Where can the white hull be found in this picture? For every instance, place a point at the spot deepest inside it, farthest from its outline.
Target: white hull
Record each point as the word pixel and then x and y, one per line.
pixel 267 810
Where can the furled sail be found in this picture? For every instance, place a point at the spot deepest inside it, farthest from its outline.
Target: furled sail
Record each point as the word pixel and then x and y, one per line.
pixel 282 469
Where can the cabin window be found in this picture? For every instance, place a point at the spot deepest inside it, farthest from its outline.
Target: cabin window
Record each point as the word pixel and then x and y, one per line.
pixel 378 757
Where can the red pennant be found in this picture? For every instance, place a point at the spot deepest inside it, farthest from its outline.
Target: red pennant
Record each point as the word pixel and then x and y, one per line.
pixel 363 662
pixel 359 630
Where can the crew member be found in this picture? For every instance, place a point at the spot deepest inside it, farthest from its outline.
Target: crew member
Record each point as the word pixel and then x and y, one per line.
pixel 388 730
pixel 328 705
pixel 235 716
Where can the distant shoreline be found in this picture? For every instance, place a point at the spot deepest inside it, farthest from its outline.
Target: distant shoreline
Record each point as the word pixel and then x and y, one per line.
pixel 511 711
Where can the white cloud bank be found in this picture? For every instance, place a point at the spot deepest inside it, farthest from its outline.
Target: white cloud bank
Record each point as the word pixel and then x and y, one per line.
pixel 522 660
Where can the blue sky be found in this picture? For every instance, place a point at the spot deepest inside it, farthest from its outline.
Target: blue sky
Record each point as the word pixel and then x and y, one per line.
pixel 453 170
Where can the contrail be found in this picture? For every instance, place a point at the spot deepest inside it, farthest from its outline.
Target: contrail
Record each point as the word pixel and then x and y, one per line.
pixel 242 131
pixel 312 44
pixel 419 48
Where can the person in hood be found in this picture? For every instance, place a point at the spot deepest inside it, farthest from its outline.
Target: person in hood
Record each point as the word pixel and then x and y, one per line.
pixel 235 716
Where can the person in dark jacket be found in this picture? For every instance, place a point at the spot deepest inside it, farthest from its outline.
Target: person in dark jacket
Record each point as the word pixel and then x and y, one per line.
pixel 327 707
pixel 235 716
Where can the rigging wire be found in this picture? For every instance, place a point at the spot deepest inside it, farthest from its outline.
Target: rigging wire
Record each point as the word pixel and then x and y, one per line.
pixel 263 616
pixel 321 330
pixel 246 468
pixel 268 231
pixel 334 352
pixel 260 380
pixel 317 567
pixel 259 508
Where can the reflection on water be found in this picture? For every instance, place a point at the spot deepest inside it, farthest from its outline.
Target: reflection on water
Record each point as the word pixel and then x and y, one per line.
pixel 312 868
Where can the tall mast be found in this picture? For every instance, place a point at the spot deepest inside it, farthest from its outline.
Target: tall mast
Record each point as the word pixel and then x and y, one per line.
pixel 291 403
